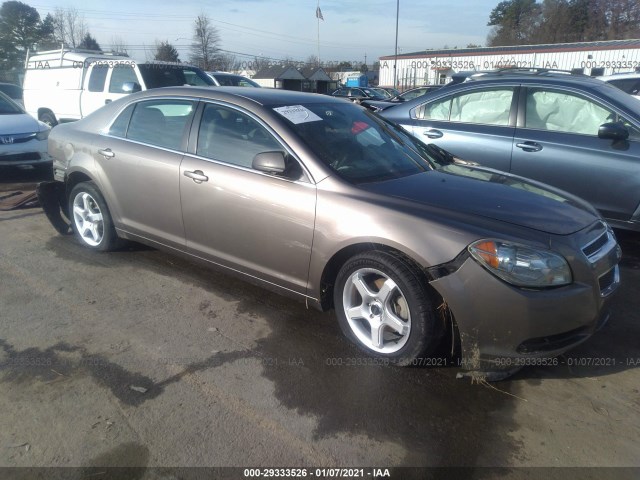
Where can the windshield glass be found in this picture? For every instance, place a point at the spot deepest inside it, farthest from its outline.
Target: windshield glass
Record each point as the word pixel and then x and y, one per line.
pixel 157 75
pixel 234 81
pixel 8 106
pixel 373 93
pixel 359 146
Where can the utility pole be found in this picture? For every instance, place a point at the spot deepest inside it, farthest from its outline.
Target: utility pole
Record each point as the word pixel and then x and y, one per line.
pixel 395 61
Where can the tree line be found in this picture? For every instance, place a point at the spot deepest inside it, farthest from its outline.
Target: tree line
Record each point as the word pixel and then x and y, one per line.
pixel 528 22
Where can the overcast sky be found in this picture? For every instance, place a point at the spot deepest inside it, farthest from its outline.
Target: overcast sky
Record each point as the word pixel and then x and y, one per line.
pixel 287 28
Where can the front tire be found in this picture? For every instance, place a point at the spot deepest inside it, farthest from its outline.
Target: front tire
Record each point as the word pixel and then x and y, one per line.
pixel 384 307
pixel 90 219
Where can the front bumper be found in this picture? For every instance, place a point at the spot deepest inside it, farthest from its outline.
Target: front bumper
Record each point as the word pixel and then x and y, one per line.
pixel 503 328
pixel 31 152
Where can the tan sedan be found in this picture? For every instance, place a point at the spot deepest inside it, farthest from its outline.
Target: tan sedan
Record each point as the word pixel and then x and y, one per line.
pixel 319 199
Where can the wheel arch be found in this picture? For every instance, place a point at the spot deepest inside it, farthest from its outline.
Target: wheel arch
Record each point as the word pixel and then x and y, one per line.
pixel 43 110
pixel 332 267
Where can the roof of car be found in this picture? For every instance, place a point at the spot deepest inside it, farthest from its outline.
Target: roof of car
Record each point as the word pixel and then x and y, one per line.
pixel 619 76
pixel 262 96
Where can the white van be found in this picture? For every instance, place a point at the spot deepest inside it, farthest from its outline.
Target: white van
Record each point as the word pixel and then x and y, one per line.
pixel 68 84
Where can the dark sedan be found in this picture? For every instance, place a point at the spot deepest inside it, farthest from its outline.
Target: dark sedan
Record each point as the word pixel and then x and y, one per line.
pixel 322 200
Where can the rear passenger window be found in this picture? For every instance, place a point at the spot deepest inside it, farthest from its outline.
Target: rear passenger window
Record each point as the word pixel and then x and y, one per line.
pixel 438 110
pixel 232 137
pixel 98 77
pixel 488 107
pixel 120 125
pixel 160 122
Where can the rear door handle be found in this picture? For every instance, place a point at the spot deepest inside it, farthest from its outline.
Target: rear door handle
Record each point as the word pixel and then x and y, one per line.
pixel 106 153
pixel 108 100
pixel 197 176
pixel 529 146
pixel 432 133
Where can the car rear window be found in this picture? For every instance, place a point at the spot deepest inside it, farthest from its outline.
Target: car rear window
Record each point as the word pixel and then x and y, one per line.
pixel 160 75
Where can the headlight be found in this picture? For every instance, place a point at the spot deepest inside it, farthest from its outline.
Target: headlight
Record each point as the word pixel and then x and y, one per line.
pixel 43 135
pixel 521 266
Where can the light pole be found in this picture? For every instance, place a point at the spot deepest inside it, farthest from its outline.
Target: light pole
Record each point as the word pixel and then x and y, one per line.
pixel 395 60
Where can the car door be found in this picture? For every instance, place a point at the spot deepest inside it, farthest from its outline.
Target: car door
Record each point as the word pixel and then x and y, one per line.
pixel 476 124
pixel 557 142
pixel 139 163
pixel 121 77
pixel 241 218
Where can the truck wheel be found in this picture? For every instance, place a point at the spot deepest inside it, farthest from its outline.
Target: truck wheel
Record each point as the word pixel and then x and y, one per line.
pixel 384 308
pixel 48 118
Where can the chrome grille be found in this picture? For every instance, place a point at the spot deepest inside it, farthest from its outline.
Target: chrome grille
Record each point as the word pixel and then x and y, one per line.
pixel 599 248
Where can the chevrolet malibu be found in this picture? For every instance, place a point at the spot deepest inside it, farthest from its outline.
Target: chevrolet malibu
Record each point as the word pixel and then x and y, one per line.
pixel 319 199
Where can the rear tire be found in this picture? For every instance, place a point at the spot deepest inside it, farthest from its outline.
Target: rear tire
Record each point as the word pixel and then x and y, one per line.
pixel 90 218
pixel 385 307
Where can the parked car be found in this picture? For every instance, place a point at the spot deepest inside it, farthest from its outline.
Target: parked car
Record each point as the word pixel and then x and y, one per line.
pixel 23 139
pixel 225 79
pixel 14 92
pixel 325 201
pixel 570 131
pixel 68 84
pixel 394 92
pixel 379 105
pixel 627 82
pixel 357 94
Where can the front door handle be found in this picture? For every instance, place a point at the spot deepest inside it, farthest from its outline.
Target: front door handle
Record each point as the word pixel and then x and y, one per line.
pixel 529 146
pixel 106 153
pixel 107 101
pixel 432 133
pixel 197 176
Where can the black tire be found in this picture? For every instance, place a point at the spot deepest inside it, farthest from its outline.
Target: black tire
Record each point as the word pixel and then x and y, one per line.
pixel 425 328
pixel 103 238
pixel 48 118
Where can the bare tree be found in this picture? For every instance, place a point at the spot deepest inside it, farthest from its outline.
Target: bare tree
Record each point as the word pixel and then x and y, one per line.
pixel 69 27
pixel 118 45
pixel 260 63
pixel 206 39
pixel 312 61
pixel 226 62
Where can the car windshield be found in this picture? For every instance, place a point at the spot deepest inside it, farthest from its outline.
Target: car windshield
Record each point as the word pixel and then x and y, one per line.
pixel 234 81
pixel 157 75
pixel 8 106
pixel 374 93
pixel 12 91
pixel 358 145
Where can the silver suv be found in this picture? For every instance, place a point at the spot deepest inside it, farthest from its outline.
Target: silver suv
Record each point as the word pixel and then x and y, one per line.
pixel 570 131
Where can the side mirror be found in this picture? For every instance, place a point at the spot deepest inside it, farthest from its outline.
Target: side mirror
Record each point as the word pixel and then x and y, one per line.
pixel 269 162
pixel 131 87
pixel 613 131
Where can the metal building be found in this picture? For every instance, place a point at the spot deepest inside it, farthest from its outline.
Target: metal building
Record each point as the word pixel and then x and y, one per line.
pixel 433 67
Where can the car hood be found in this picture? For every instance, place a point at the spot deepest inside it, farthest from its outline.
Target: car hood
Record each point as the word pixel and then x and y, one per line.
pixel 492 194
pixel 12 124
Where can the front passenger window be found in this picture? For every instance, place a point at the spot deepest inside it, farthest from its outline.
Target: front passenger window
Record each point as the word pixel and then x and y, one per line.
pixel 121 75
pixel 563 112
pixel 229 136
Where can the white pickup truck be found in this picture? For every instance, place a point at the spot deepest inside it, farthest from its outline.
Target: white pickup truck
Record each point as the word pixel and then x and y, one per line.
pixel 68 84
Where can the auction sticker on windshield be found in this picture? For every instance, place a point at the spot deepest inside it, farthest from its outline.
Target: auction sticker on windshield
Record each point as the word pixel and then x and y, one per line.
pixel 297 114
